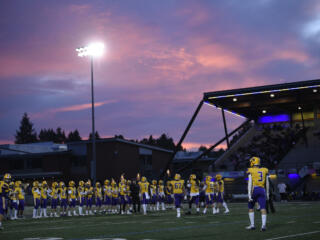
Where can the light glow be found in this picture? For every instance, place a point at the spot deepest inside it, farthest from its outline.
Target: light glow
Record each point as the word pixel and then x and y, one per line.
pixel 93 49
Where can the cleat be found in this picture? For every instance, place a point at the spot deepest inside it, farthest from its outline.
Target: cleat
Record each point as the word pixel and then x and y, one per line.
pixel 227 211
pixel 263 229
pixel 250 228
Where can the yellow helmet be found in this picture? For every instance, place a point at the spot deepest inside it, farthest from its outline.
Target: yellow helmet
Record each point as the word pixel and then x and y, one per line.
pixel 7 177
pixel 193 177
pixel 143 179
pixel 11 184
pixel 18 183
pixel 154 182
pixel 88 183
pixel 61 184
pixel 97 184
pixel 81 183
pixel 177 176
pixel 35 183
pixel 54 184
pixel 208 178
pixel 71 183
pixel 44 183
pixel 254 161
pixel 218 177
pixel 160 182
pixel 106 182
pixel 128 182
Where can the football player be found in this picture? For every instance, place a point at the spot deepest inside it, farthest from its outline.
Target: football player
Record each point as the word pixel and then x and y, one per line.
pixel 144 193
pixel 115 195
pixel 123 195
pixel 194 185
pixel 154 197
pixel 129 197
pixel 107 195
pixel 13 201
pixel 258 191
pixel 4 190
pixel 21 196
pixel 54 194
pixel 44 199
pixel 220 198
pixel 72 198
pixel 161 196
pixel 81 197
pixel 98 196
pixel 178 191
pixel 36 199
pixel 63 199
pixel 169 198
pixel 209 191
pixel 89 194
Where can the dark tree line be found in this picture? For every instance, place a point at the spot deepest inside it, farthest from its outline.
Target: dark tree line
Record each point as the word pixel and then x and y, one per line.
pixel 27 134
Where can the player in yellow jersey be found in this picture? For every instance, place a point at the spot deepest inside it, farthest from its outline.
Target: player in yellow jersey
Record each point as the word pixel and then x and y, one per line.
pixel 36 198
pixel 129 197
pixel 4 190
pixel 72 198
pixel 107 193
pixel 115 196
pixel 169 194
pixel 209 192
pixel 178 191
pixel 123 195
pixel 21 198
pixel 161 196
pixel 13 201
pixel 54 194
pixel 220 196
pixel 98 196
pixel 44 199
pixel 63 199
pixel 144 193
pixel 89 193
pixel 194 185
pixel 81 197
pixel 258 191
pixel 154 195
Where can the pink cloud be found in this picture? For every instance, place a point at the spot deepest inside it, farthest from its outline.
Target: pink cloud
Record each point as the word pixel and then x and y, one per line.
pixel 194 146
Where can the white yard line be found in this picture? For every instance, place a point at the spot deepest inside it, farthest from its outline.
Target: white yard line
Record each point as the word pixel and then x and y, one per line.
pixel 294 235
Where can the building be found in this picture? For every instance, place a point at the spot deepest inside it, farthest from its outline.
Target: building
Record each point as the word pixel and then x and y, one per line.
pixel 72 160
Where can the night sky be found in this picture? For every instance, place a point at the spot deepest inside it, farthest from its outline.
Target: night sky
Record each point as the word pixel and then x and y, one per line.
pixel 160 57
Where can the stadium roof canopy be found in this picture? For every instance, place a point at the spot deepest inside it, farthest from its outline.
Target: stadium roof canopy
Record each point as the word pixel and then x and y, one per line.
pixel 255 102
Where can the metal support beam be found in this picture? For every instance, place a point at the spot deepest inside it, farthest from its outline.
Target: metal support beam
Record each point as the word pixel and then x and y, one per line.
pixel 301 113
pixel 183 137
pixel 213 146
pixel 225 128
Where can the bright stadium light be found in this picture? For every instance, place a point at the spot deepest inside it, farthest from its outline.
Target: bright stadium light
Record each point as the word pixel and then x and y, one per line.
pixel 93 50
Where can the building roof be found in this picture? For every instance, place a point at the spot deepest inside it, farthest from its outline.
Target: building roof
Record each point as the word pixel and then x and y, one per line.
pixel 123 141
pixel 254 102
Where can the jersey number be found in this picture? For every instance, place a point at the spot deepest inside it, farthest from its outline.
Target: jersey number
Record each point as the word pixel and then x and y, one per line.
pixel 177 185
pixel 260 175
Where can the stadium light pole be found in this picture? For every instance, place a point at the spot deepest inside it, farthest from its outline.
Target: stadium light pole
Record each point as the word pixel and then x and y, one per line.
pixel 93 50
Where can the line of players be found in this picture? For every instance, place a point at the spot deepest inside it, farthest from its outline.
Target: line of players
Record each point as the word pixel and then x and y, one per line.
pixel 109 198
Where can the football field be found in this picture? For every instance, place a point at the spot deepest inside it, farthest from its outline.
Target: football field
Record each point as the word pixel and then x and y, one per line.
pixel 300 220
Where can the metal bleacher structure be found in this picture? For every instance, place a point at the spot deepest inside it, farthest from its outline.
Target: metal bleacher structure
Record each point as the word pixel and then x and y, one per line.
pixel 286 104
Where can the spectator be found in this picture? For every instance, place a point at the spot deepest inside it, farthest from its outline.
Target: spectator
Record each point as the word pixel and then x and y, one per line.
pixel 282 187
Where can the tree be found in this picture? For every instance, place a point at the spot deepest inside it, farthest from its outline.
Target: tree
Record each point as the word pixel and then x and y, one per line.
pixel 61 136
pixel 47 135
pixel 26 132
pixel 202 148
pixel 119 136
pixel 74 136
pixel 97 136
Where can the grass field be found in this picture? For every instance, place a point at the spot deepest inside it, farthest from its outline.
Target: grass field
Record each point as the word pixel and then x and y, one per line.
pixel 291 221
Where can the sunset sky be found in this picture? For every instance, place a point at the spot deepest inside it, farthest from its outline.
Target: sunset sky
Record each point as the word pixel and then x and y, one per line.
pixel 160 57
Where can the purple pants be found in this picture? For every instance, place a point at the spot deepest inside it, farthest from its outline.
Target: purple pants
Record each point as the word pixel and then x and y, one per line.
pixel 1 206
pixel 144 199
pixel 258 195
pixel 178 198
pixel 220 197
pixel 209 199
pixel 98 202
pixel 123 199
pixel 21 205
pixel 36 203
pixel 129 199
pixel 72 202
pixel 89 202
pixel 14 205
pixel 114 201
pixel 54 203
pixel 44 203
pixel 169 199
pixel 82 201
pixel 154 199
pixel 63 203
pixel 107 200
pixel 194 199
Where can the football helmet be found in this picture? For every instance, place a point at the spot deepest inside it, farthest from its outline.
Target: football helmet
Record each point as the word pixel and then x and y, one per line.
pixel 61 184
pixel 177 176
pixel 81 183
pixel 128 182
pixel 193 177
pixel 97 184
pixel 44 183
pixel 7 177
pixel 218 177
pixel 160 182
pixel 154 182
pixel 54 184
pixel 71 183
pixel 18 183
pixel 106 182
pixel 254 161
pixel 143 179
pixel 208 178
pixel 35 183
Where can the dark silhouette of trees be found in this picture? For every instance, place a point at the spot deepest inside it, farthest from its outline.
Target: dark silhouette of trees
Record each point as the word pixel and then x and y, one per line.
pixel 97 136
pixel 163 141
pixel 49 135
pixel 74 136
pixel 26 132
